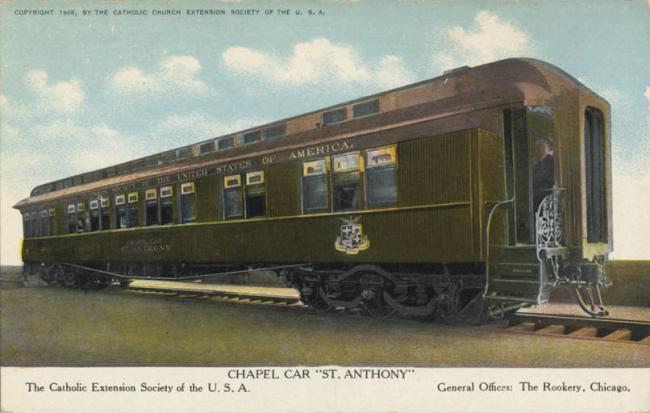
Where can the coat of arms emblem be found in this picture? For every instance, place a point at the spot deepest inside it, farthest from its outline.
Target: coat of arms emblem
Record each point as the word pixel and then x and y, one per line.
pixel 351 239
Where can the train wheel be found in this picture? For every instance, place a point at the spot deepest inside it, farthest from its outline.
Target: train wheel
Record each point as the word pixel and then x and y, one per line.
pixel 69 279
pixel 52 274
pixel 378 309
pixel 96 282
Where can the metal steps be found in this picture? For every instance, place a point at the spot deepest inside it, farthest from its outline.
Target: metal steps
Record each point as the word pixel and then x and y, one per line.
pixel 514 276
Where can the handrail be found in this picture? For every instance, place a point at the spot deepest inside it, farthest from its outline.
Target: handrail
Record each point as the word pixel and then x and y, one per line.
pixel 487 241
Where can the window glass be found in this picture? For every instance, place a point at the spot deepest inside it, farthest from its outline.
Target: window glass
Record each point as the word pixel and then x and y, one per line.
pixel 71 219
pixel 206 148
pixel 381 177
pixel 168 157
pixel 123 169
pixel 51 214
pixel 365 109
pixel 121 220
pixel 595 164
pixel 132 209
pixel 255 194
pixel 315 192
pixel 334 116
pixel 27 225
pixel 94 215
pixel 166 205
pixel 151 207
pixel 347 190
pixel 252 137
pixel 36 224
pixel 45 223
pixel 232 197
pixel 188 212
pixel 105 213
pixel 183 153
pixel 225 143
pixel 81 217
pixel 274 132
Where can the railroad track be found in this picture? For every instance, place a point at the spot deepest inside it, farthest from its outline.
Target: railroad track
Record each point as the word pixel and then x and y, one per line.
pixel 576 327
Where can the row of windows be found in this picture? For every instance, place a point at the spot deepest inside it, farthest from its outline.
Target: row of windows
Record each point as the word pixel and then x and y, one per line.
pixel 346 182
pixel 269 133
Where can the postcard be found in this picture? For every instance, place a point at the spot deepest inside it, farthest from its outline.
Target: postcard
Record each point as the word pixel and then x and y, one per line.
pixel 324 205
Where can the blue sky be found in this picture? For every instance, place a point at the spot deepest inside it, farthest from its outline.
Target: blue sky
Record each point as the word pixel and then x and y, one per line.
pixel 82 92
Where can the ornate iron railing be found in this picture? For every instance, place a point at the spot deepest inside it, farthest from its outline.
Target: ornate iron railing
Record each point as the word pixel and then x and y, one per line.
pixel 548 229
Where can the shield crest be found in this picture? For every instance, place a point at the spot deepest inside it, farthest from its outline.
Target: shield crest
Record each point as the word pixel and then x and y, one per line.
pixel 351 238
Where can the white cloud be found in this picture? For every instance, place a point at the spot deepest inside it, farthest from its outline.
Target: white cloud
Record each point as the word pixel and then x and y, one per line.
pixel 176 75
pixel 317 61
pixel 61 97
pixel 488 40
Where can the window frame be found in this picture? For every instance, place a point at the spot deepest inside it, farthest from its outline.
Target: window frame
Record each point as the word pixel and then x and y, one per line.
pixel 326 176
pixel 371 168
pixel 229 188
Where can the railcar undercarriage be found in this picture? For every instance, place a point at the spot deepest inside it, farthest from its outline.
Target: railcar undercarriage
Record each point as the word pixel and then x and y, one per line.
pixel 443 293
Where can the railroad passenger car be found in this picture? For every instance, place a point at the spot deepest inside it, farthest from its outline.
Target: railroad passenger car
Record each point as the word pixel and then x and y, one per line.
pixel 475 192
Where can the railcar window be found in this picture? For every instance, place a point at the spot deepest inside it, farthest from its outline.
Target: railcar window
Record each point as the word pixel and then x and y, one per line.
pixel 206 148
pixel 334 116
pixel 105 212
pixel 151 161
pixel 77 180
pixel 274 132
pixel 232 197
pixel 121 216
pixel 255 194
pixel 183 153
pixel 58 185
pixel 347 190
pixel 94 215
pixel 132 209
pixel 81 217
pixel 381 177
pixel 87 178
pixel 51 216
pixel 27 225
pixel 45 223
pixel 123 169
pixel 151 207
pixel 365 109
pixel 225 143
pixel 137 165
pixel 188 208
pixel 166 205
pixel 111 172
pixel 168 157
pixel 71 219
pixel 315 186
pixel 36 224
pixel 252 137
pixel 594 136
